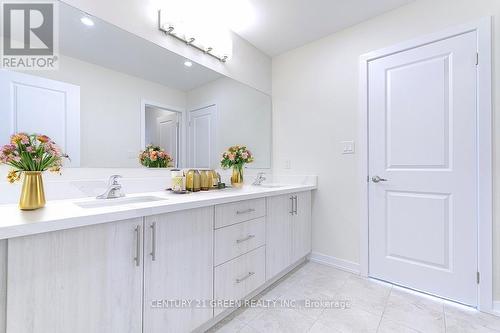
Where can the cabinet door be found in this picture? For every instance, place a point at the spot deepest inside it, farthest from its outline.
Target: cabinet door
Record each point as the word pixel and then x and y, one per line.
pixel 301 226
pixel 278 234
pixel 78 280
pixel 178 266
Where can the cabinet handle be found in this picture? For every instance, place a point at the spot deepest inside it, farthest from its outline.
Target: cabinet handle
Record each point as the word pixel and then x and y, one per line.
pixel 245 277
pixel 292 211
pixel 295 200
pixel 244 239
pixel 153 241
pixel 250 210
pixel 137 258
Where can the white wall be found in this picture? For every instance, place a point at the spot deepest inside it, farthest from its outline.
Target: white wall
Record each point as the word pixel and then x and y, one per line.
pixel 243 117
pixel 111 110
pixel 315 106
pixel 248 64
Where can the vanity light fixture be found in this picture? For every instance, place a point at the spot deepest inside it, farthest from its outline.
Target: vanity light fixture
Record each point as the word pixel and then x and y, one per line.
pixel 217 44
pixel 188 63
pixel 87 21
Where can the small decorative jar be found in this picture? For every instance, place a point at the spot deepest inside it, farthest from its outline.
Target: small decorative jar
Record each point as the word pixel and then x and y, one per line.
pixel 204 180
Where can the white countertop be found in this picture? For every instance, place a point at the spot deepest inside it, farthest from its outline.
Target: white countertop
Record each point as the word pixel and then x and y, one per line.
pixel 65 214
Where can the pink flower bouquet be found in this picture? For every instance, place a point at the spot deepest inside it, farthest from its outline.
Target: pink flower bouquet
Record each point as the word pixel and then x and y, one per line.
pixel 236 156
pixel 30 152
pixel 155 157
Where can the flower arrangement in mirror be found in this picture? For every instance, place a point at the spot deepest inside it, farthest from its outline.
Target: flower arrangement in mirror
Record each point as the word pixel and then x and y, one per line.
pixel 155 157
pixel 29 155
pixel 236 157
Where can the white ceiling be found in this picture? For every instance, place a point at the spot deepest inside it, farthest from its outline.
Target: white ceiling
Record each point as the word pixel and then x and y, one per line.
pixel 282 25
pixel 108 46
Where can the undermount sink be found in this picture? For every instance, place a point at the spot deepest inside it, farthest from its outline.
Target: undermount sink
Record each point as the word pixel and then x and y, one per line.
pixel 117 202
pixel 271 185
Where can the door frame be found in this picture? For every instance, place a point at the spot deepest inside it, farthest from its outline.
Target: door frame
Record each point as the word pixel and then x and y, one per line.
pixel 181 145
pixel 482 27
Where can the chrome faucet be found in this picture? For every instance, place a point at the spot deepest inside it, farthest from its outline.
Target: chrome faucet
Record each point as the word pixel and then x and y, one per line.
pixel 259 179
pixel 114 189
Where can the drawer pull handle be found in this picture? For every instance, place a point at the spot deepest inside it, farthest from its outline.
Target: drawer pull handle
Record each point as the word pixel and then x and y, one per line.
pixel 137 257
pixel 153 241
pixel 245 277
pixel 244 239
pixel 246 211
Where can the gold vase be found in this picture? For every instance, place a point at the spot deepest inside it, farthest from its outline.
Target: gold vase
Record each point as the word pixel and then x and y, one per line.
pixel 32 193
pixel 237 176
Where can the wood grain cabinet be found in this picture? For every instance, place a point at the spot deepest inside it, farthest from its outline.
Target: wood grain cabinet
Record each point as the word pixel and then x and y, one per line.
pixel 153 274
pixel 288 231
pixel 178 266
pixel 78 280
pixel 92 279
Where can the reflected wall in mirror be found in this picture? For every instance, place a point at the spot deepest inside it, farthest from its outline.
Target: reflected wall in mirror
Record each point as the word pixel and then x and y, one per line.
pixel 114 93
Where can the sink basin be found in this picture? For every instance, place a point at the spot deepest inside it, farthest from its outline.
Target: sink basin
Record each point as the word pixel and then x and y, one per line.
pixel 117 202
pixel 270 185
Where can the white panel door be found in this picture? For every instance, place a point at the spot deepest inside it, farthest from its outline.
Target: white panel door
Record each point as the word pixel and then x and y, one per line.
pixel 202 137
pixel 168 135
pixel 422 143
pixel 36 105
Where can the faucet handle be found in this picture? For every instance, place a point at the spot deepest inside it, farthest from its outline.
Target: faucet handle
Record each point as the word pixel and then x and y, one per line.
pixel 113 180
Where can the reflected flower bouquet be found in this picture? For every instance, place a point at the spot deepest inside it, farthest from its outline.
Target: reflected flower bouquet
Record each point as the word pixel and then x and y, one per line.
pixel 155 157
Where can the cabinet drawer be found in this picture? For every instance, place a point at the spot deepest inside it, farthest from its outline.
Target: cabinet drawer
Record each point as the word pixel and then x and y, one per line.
pixel 237 278
pixel 237 239
pixel 240 211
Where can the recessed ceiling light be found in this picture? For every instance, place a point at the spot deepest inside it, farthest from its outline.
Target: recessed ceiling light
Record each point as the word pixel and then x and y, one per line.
pixel 87 21
pixel 188 63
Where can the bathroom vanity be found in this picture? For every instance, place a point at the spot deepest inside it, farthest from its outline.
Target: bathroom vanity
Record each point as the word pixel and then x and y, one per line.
pixel 148 262
pixel 147 265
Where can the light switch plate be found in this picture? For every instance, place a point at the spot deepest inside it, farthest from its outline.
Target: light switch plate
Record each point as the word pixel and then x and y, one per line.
pixel 348 147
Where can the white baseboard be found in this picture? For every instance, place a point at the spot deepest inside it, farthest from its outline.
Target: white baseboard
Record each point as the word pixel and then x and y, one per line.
pixel 496 308
pixel 346 265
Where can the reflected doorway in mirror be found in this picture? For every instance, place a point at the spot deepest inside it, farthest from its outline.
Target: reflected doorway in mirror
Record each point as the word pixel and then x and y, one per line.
pixel 161 126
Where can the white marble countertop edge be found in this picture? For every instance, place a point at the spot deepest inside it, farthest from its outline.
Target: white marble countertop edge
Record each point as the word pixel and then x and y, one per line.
pixel 65 214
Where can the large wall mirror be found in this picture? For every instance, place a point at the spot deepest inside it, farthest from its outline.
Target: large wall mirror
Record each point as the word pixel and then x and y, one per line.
pixel 114 93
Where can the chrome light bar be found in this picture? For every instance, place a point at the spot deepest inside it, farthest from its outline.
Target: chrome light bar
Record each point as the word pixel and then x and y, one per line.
pixel 169 29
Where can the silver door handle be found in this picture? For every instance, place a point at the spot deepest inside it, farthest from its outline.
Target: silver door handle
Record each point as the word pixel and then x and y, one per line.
pixel 377 179
pixel 295 200
pixel 244 239
pixel 245 277
pixel 293 210
pixel 153 241
pixel 137 258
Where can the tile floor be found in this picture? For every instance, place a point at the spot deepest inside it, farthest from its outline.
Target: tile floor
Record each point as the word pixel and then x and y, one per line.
pixel 374 307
